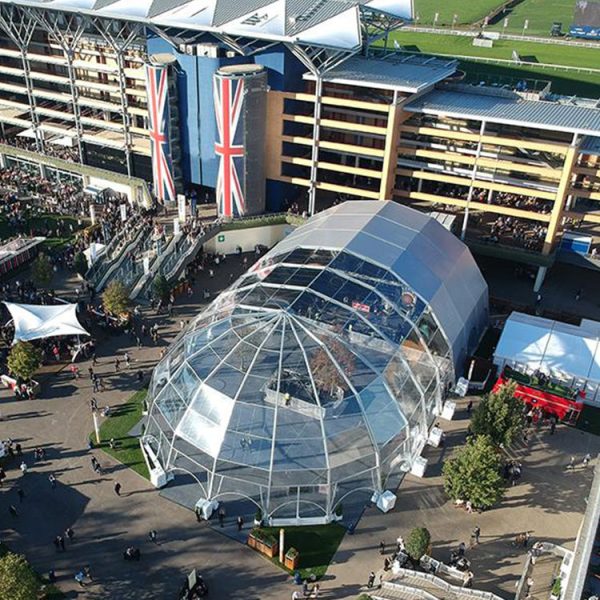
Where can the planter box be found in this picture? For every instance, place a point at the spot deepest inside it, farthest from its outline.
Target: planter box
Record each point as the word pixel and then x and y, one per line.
pixel 263 547
pixel 291 562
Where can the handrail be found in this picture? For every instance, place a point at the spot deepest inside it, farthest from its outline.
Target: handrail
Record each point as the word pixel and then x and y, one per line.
pixel 117 264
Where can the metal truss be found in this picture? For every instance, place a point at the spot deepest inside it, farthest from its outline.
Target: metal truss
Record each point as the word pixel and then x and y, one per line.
pixel 20 27
pixel 66 30
pixel 120 35
pixel 377 26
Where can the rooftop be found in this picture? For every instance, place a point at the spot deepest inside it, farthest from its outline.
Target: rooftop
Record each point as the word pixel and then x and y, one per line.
pixel 406 73
pixel 500 106
pixel 331 23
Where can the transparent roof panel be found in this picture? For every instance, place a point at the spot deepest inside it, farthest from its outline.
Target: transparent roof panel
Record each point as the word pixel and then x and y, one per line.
pixel 319 369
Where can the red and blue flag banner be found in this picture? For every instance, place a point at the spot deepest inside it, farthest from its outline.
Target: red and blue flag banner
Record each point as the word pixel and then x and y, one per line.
pixel 228 97
pixel 157 87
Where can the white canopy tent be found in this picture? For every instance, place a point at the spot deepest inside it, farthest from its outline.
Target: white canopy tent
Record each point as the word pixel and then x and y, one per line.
pixel 34 322
pixel 570 353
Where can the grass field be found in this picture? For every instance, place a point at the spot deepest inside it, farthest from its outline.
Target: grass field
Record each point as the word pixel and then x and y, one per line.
pixel 40 223
pixel 316 544
pixel 540 14
pixel 564 82
pixel 466 12
pixel 118 426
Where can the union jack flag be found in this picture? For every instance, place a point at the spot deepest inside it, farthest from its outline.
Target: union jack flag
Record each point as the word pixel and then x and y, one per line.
pixel 158 130
pixel 228 96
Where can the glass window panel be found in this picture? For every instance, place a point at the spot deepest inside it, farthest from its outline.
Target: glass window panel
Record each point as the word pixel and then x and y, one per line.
pixel 186 383
pixel 382 412
pixel 204 362
pixel 170 404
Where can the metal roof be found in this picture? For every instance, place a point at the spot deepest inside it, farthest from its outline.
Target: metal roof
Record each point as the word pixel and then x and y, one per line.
pixel 328 23
pixel 407 73
pixel 483 105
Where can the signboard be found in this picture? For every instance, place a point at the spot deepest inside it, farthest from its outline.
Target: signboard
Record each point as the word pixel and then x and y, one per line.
pixel 123 209
pixel 176 226
pixel 181 208
pixel 93 214
pixel 362 307
pixel 146 265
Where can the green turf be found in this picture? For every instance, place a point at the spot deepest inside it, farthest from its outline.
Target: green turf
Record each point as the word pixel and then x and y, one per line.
pixel 540 14
pixel 316 544
pixel 467 12
pixel 563 81
pixel 42 222
pixel 117 426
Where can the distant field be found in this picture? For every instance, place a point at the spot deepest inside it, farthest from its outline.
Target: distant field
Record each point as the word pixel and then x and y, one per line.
pixel 565 82
pixel 467 11
pixel 540 14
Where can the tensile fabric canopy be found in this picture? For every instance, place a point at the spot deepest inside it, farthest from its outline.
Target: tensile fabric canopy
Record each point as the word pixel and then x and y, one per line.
pixel 34 322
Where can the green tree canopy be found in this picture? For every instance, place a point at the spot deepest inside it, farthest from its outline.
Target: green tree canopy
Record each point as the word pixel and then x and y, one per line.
pixel 161 288
pixel 17 579
pixel 80 264
pixel 418 542
pixel 24 360
pixel 41 270
pixel 473 473
pixel 499 416
pixel 115 298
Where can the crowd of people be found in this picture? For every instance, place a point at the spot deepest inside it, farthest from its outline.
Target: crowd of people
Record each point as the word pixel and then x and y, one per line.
pixel 68 153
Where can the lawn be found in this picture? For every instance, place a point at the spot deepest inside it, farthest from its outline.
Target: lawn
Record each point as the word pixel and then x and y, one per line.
pixel 564 81
pixel 117 426
pixel 467 12
pixel 39 224
pixel 540 14
pixel 316 544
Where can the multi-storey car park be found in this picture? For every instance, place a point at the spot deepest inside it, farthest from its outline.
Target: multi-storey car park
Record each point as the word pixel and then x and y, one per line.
pixel 333 114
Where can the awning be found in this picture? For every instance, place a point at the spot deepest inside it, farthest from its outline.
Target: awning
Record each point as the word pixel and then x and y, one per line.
pixel 94 252
pixel 34 322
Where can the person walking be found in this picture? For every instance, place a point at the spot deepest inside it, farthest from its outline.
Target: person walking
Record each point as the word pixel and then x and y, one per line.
pixel 52 480
pixel 21 494
pixel 117 365
pixel 371 580
pixel 2 476
pixel 69 533
pixel 571 464
pixel 240 523
pixel 586 460
pixel 117 488
pixel 79 576
pixel 56 543
pixel 475 535
pixel 222 516
pixel 23 467
pixel 382 547
pixel 12 509
pixel 153 536
pixel 61 542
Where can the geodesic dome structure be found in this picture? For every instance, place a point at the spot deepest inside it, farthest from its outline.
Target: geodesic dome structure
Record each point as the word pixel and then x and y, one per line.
pixel 317 373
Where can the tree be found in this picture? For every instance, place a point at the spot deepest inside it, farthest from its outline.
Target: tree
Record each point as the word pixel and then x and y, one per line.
pixel 115 298
pixel 473 473
pixel 17 579
pixel 418 542
pixel 24 360
pixel 161 288
pixel 80 264
pixel 499 416
pixel 41 270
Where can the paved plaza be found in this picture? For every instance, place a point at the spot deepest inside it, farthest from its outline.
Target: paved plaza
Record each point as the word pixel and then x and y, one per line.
pixel 548 502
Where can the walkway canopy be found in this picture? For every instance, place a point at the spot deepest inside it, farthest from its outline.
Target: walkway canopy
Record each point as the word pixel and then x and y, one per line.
pixel 34 322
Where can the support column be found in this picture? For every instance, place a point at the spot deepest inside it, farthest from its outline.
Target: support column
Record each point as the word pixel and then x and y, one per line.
pixel 539 279
pixel 396 116
pixel 314 159
pixel 463 231
pixel 124 110
pixel 69 52
pixel 35 120
pixel 556 217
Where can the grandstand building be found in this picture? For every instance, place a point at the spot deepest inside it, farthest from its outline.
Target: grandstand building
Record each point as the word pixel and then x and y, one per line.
pixel 268 101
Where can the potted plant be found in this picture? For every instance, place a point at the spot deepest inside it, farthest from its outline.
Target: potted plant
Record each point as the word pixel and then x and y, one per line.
pixel 264 542
pixel 556 589
pixel 258 518
pixel 291 559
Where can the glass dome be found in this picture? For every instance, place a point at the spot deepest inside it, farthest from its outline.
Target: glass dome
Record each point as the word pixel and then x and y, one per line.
pixel 318 372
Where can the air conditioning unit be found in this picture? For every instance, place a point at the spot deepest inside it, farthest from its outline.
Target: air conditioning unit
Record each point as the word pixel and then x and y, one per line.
pixel 210 50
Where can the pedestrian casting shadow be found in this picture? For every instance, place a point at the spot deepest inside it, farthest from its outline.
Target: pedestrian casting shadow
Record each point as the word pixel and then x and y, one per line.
pixel 32 414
